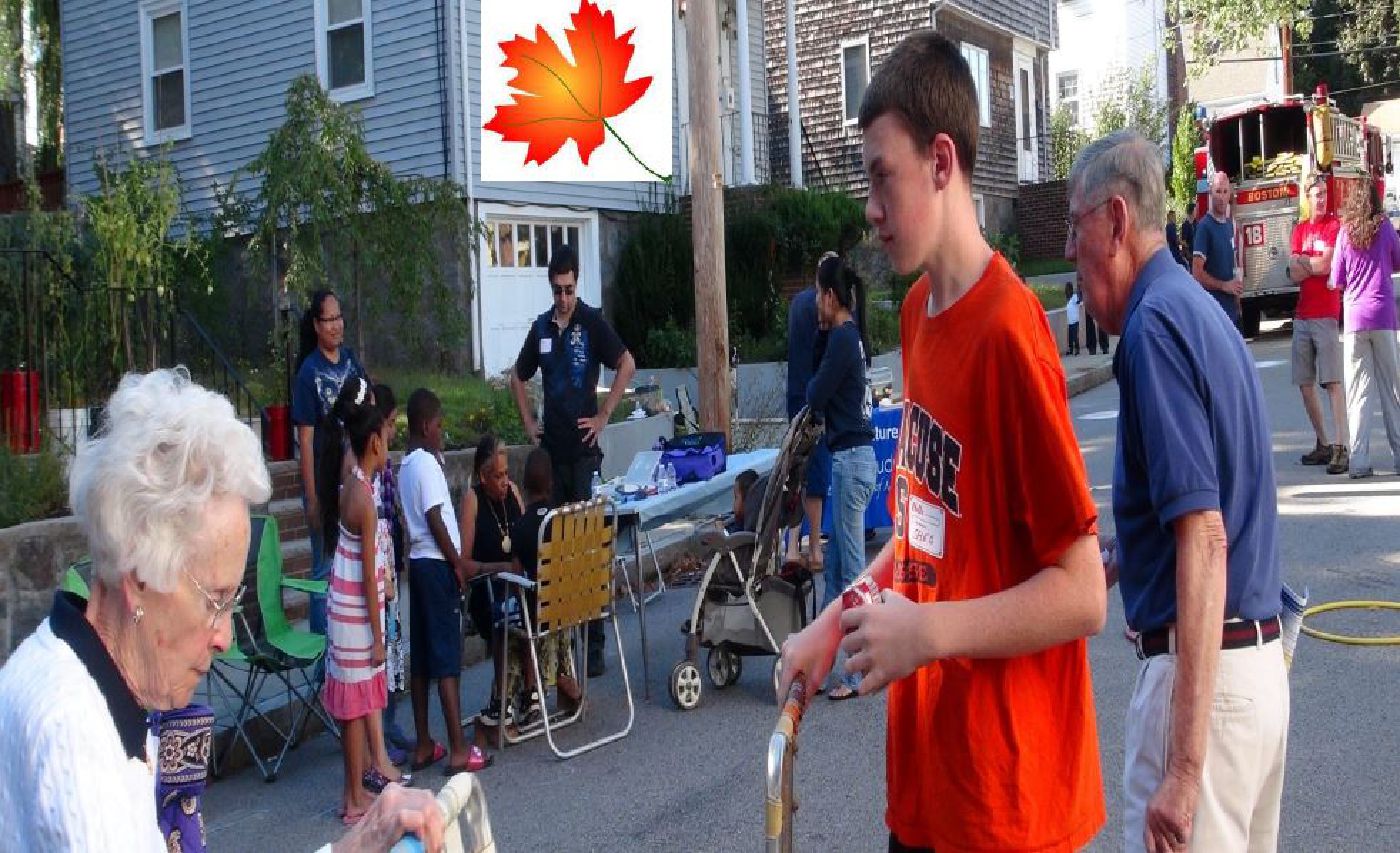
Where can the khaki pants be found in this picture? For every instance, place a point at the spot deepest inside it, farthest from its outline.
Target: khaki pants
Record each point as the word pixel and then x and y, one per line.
pixel 1242 783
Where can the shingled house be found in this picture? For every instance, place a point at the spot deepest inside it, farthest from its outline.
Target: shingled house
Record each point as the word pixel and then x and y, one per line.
pixel 839 42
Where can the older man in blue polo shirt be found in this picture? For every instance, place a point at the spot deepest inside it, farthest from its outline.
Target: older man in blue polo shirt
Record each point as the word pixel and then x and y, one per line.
pixel 1196 516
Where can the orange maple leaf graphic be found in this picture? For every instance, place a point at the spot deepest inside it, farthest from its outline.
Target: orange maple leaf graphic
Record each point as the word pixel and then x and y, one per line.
pixel 558 100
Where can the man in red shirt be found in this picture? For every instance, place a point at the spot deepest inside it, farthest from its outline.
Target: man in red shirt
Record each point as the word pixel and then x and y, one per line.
pixel 1317 351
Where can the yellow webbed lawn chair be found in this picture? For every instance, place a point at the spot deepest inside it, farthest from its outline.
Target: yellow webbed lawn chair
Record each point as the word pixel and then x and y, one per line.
pixel 577 546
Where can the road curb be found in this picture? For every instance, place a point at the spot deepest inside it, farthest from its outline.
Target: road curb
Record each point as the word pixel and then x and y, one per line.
pixel 1089 378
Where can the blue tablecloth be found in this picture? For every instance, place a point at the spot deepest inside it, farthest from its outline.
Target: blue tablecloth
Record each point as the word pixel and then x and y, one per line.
pixel 885 419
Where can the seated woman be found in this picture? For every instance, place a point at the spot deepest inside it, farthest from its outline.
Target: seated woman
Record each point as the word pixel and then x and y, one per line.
pixel 162 497
pixel 490 508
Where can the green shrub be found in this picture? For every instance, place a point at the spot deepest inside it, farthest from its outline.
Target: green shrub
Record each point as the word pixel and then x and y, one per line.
pixel 32 487
pixel 668 345
pixel 1008 244
pixel 654 283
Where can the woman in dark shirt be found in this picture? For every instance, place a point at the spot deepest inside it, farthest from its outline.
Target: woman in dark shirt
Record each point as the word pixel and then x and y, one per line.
pixel 490 508
pixel 839 395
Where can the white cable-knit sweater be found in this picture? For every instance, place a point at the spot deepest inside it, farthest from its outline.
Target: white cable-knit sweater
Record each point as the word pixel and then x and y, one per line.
pixel 66 783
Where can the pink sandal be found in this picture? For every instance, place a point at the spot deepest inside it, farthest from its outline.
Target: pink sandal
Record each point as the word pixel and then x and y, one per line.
pixel 477 760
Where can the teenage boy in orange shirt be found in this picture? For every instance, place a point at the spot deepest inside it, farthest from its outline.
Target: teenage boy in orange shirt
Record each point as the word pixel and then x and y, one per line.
pixel 993 577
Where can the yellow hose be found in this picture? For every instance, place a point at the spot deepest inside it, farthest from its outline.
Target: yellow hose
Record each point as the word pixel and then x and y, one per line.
pixel 1393 640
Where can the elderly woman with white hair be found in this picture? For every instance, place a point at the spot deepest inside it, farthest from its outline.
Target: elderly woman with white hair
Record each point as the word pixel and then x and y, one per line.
pixel 162 498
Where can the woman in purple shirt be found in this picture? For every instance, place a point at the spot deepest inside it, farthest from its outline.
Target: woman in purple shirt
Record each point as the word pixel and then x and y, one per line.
pixel 1368 253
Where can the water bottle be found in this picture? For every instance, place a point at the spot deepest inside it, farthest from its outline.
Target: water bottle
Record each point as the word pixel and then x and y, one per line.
pixel 597 484
pixel 670 477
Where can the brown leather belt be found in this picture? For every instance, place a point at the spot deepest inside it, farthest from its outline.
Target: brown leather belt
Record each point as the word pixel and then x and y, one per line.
pixel 1237 634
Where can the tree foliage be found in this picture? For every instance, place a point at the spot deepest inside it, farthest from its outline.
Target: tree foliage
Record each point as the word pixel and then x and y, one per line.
pixel 1128 100
pixel 344 220
pixel 1066 141
pixel 1360 32
pixel 1184 144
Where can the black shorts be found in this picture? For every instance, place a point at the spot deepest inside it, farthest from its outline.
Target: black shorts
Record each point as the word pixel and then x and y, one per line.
pixel 435 619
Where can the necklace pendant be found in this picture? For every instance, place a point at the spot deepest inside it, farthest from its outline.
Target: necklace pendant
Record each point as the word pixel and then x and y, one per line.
pixel 505 544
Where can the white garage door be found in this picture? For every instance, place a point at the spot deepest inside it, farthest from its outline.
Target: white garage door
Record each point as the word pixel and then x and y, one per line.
pixel 515 279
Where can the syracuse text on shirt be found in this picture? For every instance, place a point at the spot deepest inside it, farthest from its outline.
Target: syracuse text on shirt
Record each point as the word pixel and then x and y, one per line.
pixel 932 457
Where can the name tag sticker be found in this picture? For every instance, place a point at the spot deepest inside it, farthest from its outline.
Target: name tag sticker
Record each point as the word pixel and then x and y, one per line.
pixel 546 346
pixel 926 526
pixel 1319 246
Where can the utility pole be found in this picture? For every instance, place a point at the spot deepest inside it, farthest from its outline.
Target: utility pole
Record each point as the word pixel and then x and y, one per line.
pixel 707 215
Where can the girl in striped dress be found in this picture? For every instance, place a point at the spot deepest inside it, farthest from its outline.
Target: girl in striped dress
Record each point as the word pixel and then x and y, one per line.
pixel 355 689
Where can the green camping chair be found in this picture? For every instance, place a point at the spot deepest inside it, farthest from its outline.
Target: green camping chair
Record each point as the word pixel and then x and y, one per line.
pixel 75 579
pixel 266 646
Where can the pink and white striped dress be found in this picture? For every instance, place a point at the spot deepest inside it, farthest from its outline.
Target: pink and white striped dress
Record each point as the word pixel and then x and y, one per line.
pixel 354 686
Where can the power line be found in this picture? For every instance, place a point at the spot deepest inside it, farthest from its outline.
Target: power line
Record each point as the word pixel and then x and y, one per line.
pixel 1395 82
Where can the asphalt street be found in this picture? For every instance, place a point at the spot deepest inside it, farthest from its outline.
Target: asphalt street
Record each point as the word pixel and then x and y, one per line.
pixel 693 780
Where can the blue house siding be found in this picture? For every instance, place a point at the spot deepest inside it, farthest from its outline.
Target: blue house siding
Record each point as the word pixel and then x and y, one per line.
pixel 603 196
pixel 241 59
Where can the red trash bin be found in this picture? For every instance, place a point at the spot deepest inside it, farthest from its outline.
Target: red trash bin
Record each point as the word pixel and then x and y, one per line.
pixel 277 432
pixel 19 409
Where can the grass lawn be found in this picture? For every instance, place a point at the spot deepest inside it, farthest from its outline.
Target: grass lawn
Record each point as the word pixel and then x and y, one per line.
pixel 1052 296
pixel 1043 266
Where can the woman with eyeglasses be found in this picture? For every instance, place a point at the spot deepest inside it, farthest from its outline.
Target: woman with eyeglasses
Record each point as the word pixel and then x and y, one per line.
pixel 324 364
pixel 162 498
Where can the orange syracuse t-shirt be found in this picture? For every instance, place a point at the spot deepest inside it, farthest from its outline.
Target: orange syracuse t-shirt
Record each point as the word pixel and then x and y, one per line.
pixel 989 488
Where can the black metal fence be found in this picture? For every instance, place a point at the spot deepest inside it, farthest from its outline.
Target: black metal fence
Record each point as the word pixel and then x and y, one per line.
pixel 65 344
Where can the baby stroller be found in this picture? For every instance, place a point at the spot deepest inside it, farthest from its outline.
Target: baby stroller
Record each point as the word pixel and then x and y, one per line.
pixel 744 606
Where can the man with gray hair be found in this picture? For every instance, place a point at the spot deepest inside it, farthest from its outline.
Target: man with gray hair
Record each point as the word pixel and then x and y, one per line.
pixel 1214 261
pixel 1196 516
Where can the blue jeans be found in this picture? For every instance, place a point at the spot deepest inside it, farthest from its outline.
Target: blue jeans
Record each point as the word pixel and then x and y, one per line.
pixel 852 483
pixel 320 571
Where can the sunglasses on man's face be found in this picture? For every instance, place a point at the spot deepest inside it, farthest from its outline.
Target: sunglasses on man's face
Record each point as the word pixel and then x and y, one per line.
pixel 563 290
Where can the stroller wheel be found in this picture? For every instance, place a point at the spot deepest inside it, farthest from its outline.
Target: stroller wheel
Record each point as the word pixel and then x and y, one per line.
pixel 724 667
pixel 685 685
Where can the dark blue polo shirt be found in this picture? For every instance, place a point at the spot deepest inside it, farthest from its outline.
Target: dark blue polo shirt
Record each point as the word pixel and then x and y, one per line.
pixel 1192 435
pixel 569 360
pixel 802 345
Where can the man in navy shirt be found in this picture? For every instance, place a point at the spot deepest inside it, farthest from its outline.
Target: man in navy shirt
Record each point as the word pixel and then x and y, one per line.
pixel 1196 516
pixel 568 345
pixel 1213 261
pixel 802 348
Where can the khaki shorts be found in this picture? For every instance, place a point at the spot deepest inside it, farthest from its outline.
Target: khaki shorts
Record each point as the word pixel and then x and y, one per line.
pixel 1317 352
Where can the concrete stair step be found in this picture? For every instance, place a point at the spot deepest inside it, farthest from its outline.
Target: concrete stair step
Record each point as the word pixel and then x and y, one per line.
pixel 291 520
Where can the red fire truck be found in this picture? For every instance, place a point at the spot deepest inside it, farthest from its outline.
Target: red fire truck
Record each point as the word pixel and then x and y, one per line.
pixel 1271 151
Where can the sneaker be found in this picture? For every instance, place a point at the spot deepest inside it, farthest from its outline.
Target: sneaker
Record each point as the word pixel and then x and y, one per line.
pixel 1340 461
pixel 1322 454
pixel 492 715
pixel 531 713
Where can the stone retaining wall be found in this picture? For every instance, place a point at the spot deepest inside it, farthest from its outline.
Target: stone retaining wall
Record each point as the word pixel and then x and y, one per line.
pixel 33 558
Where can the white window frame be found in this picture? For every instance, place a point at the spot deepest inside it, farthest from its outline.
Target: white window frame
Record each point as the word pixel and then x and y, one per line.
pixel 1072 101
pixel 979 203
pixel 979 63
pixel 149 11
pixel 344 94
pixel 864 43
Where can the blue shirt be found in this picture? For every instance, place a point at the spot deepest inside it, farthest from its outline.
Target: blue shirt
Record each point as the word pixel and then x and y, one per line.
pixel 838 393
pixel 802 344
pixel 569 361
pixel 1192 435
pixel 1215 241
pixel 317 386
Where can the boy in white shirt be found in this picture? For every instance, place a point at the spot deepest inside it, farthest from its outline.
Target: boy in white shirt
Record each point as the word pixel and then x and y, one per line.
pixel 1072 307
pixel 437 574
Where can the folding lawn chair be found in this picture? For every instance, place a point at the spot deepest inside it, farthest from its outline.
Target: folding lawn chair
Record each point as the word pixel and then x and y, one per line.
pixel 75 579
pixel 577 546
pixel 266 646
